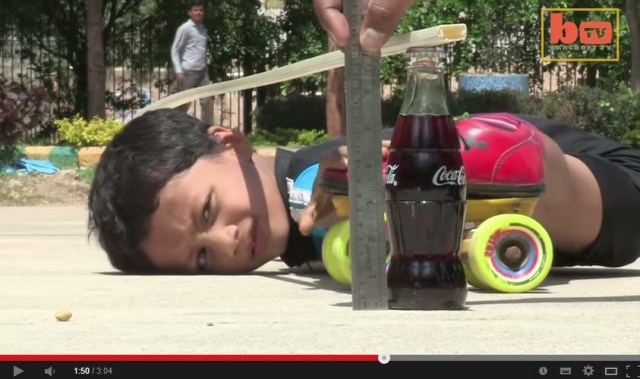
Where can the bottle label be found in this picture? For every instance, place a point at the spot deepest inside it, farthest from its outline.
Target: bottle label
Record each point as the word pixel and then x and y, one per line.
pixel 446 177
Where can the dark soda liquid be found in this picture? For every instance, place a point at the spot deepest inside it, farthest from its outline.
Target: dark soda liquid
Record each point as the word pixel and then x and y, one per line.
pixel 425 193
pixel 425 271
pixel 426 283
pixel 425 132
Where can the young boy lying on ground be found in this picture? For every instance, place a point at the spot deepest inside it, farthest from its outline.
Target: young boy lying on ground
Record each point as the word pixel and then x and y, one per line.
pixel 172 195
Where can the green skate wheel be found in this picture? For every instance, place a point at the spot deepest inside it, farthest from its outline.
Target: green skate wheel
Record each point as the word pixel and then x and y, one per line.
pixel 335 253
pixel 510 253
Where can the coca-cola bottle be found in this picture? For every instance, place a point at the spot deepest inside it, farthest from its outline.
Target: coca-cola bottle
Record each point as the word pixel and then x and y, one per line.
pixel 425 194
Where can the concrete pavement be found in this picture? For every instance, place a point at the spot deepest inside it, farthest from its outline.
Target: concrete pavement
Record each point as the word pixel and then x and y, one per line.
pixel 47 263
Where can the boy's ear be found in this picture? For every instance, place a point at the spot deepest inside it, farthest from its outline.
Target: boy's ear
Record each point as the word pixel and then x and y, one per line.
pixel 231 139
pixel 219 133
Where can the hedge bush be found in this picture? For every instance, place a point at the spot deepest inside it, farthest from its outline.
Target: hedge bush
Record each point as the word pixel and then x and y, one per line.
pixel 612 114
pixel 300 121
pixel 308 113
pixel 632 137
pixel 79 132
pixel 492 101
pixel 470 102
pixel 287 137
pixel 293 112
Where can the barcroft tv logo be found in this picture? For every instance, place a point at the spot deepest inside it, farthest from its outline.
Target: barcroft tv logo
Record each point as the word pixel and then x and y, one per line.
pixel 580 34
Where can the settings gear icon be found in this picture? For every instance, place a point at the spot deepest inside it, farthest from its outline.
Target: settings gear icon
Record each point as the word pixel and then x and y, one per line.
pixel 587 370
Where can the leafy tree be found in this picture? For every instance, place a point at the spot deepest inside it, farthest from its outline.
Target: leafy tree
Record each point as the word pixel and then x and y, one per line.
pixel 305 38
pixel 598 74
pixel 58 27
pixel 632 10
pixel 21 109
pixel 501 36
pixel 255 38
pixel 505 37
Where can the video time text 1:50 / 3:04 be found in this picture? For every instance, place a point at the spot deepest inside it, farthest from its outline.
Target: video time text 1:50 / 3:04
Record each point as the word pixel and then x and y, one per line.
pixel 93 370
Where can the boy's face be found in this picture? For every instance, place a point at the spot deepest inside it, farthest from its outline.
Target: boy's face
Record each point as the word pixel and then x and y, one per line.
pixel 224 215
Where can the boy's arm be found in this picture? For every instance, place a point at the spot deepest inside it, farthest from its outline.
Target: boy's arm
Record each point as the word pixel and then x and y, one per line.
pixel 332 180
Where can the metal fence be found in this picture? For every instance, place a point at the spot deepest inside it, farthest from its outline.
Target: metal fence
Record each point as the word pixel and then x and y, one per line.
pixel 147 83
pixel 128 88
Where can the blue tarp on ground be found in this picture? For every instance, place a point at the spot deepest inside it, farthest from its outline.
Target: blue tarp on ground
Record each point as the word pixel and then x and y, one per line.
pixel 43 166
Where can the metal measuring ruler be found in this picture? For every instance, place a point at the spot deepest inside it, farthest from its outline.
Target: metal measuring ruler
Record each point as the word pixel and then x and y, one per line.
pixel 366 192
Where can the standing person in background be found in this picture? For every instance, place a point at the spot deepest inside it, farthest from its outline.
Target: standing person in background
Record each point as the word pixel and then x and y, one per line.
pixel 189 57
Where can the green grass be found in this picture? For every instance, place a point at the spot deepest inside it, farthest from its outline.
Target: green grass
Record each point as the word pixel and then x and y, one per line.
pixel 86 174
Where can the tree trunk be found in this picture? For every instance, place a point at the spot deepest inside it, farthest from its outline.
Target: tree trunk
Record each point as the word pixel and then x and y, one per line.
pixel 247 103
pixel 634 33
pixel 80 87
pixel 261 99
pixel 592 72
pixel 336 123
pixel 95 60
pixel 261 96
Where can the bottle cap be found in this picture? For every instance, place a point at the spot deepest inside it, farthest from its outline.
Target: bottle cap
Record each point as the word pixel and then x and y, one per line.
pixel 425 56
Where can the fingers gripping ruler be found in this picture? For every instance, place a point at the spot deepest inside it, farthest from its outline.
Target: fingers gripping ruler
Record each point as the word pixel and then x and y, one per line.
pixel 366 193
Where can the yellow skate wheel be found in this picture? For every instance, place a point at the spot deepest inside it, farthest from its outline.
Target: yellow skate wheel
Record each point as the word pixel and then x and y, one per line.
pixel 335 252
pixel 471 278
pixel 510 253
pixel 468 273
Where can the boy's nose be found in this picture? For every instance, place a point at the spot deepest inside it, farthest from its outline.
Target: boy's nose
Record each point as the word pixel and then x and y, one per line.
pixel 224 239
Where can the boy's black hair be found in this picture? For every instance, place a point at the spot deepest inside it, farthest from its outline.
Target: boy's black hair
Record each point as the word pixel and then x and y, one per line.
pixel 148 152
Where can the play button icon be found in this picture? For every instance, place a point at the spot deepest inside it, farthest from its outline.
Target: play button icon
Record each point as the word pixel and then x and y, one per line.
pixel 17 371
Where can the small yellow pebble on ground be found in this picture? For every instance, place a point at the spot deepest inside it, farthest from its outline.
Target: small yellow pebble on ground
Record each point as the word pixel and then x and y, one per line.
pixel 63 315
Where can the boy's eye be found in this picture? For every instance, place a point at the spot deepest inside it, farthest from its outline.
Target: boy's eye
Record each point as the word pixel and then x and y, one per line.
pixel 206 209
pixel 202 260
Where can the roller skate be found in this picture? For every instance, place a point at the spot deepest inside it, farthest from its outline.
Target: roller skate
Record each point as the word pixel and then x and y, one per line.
pixel 503 248
pixel 335 245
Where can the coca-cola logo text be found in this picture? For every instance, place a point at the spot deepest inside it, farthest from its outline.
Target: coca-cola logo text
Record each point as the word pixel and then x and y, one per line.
pixel 444 177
